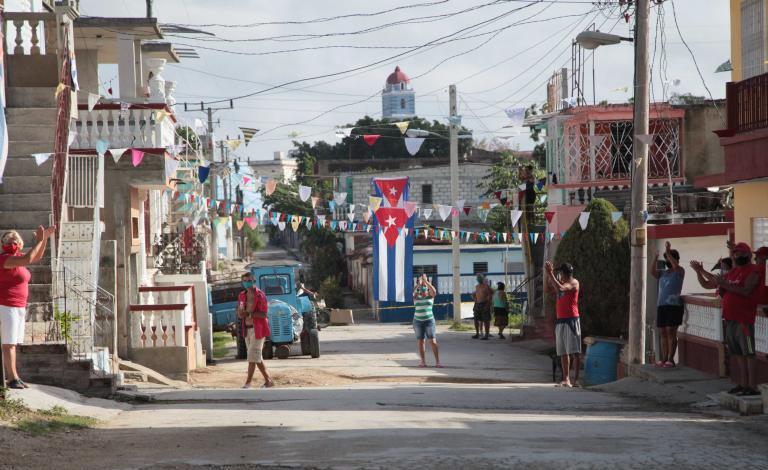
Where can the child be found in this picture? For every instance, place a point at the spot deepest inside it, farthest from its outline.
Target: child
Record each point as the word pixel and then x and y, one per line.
pixel 500 310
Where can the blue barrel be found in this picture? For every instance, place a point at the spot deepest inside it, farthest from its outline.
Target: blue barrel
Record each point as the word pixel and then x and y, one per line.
pixel 600 362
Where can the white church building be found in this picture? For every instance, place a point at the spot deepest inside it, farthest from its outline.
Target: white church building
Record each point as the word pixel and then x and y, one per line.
pixel 398 100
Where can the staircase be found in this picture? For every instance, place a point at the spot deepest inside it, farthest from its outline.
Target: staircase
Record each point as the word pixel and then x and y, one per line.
pixel 25 194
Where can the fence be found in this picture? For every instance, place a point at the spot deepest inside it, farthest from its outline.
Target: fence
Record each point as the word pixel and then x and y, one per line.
pixel 85 180
pixel 747 104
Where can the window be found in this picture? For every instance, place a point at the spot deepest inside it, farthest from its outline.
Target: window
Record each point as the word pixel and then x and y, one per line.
pixel 480 268
pixel 402 86
pixel 275 284
pixel 428 269
pixel 402 103
pixel 426 194
pixel 752 38
pixel 759 232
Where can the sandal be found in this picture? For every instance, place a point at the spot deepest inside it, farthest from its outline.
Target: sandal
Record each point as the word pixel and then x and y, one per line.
pixel 439 366
pixel 422 364
pixel 669 365
pixel 659 364
pixel 16 384
pixel 269 384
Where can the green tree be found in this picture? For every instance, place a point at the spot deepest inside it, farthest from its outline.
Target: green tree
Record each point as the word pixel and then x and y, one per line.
pixel 600 256
pixel 503 175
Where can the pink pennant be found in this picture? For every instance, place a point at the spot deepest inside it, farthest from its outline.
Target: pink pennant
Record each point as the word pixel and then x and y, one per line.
pixel 136 157
pixel 410 207
pixel 246 180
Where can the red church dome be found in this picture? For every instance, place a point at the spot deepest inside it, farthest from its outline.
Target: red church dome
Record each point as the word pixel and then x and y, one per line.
pixel 398 76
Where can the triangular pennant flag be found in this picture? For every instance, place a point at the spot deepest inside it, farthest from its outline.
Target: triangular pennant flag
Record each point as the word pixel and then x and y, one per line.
pixel 374 202
pixel 459 204
pixel 92 100
pixel 305 192
pixel 427 212
pixel 281 225
pixel 234 144
pixel 366 216
pixel 160 115
pixel 171 164
pixel 248 133
pixel 314 201
pixel 454 211
pixel 371 139
pixel 454 120
pixel 339 198
pixel 584 220
pixel 240 224
pixel 71 138
pixel 136 157
pixel 270 187
pixel 321 221
pixel 504 236
pixel 483 213
pixel 246 180
pixel 41 158
pixel 403 126
pixel 549 216
pixel 444 211
pixel 391 188
pixel 413 144
pixel 410 207
pixel 295 223
pixel 309 224
pixel 203 172
pixel 644 214
pixel 343 225
pixel 615 216
pixel 332 205
pixel 59 88
pixel 515 215
pixel 516 116
pixel 647 139
pixel 351 216
pixel 467 209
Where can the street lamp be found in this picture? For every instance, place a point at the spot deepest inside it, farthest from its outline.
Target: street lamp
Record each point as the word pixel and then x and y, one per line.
pixel 594 39
pixel 639 183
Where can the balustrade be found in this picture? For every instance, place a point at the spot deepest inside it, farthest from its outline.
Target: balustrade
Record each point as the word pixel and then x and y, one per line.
pixel 703 317
pixel 23 30
pixel 158 326
pixel 136 126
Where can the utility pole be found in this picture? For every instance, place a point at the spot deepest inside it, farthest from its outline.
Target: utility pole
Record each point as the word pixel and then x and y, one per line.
pixel 638 263
pixel 455 248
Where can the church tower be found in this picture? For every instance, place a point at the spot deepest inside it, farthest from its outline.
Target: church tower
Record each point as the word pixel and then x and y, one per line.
pixel 398 100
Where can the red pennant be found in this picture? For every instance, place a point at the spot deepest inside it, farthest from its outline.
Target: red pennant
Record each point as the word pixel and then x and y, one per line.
pixel 371 139
pixel 391 220
pixel 549 215
pixel 467 209
pixel 391 188
pixel 497 194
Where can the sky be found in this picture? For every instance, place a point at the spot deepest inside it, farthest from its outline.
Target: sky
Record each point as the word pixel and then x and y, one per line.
pixel 492 71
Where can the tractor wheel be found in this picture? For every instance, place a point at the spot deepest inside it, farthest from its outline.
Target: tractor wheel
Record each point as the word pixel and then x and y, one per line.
pixel 267 352
pixel 305 344
pixel 314 344
pixel 242 350
pixel 283 351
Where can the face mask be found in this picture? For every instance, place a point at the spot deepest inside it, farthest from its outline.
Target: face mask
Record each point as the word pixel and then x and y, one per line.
pixel 247 284
pixel 11 248
pixel 742 260
pixel 479 280
pixel 668 264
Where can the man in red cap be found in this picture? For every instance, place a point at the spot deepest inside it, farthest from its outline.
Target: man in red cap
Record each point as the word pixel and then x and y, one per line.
pixel 760 257
pixel 739 288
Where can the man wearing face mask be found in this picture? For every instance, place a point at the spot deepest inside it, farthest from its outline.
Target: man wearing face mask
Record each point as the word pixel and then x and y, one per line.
pixel 14 290
pixel 482 309
pixel 669 315
pixel 739 304
pixel 252 310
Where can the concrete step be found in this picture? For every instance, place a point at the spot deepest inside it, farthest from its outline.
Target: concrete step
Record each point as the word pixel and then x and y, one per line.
pixel 31 97
pixel 26 166
pixel 28 131
pixel 19 116
pixel 26 202
pixel 22 148
pixel 25 185
pixel 22 219
pixel 743 405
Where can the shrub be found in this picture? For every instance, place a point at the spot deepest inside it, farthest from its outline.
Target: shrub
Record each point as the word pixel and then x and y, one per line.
pixel 600 256
pixel 331 292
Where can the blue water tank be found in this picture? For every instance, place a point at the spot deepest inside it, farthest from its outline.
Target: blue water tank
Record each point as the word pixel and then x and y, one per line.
pixel 600 362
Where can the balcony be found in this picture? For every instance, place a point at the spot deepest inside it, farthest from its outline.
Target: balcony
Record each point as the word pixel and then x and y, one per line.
pixel 124 125
pixel 747 107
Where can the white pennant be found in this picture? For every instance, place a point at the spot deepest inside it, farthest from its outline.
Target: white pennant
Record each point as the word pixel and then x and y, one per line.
pixel 516 116
pixel 515 214
pixel 117 153
pixel 647 139
pixel 171 165
pixel 351 216
pixel 304 192
pixel 41 158
pixel 92 100
pixel 281 225
pixel 426 213
pixel 339 198
pixel 460 204
pixel 584 220
pixel 413 144
pixel 444 211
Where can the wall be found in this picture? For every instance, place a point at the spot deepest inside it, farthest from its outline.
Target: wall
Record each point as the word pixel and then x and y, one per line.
pixel 702 152
pixel 750 200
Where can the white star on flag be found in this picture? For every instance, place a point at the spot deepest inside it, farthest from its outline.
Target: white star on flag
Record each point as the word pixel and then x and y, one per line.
pixel 391 221
pixel 392 191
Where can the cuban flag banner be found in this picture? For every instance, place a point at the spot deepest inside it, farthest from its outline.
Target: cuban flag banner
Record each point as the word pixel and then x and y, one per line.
pixel 392 242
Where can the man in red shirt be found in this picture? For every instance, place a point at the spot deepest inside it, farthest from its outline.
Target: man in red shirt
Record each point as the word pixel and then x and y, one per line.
pixel 567 325
pixel 738 288
pixel 252 311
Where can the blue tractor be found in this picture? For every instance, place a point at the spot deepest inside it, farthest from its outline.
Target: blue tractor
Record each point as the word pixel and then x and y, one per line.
pixel 292 317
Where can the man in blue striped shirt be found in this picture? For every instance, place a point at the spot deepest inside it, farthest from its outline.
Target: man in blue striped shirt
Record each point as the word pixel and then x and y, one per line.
pixel 423 319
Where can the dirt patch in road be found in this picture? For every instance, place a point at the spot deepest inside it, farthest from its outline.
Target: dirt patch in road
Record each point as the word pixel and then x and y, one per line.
pixel 211 377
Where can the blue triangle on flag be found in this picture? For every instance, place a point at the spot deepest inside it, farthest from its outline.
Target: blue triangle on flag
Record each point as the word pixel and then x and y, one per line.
pixel 532 237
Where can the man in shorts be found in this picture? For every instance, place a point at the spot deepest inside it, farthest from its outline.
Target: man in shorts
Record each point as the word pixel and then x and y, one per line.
pixel 252 311
pixel 739 289
pixel 567 325
pixel 482 309
pixel 669 313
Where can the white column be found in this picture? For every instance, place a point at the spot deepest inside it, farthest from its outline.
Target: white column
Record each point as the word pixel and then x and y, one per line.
pixel 126 65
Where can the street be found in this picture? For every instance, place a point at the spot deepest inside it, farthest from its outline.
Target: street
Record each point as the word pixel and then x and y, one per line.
pixel 365 404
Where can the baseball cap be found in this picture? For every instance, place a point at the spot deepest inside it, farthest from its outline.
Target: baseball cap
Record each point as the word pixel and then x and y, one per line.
pixel 742 247
pixel 762 251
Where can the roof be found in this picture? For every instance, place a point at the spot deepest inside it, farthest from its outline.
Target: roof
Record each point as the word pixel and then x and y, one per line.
pixel 398 76
pixel 160 50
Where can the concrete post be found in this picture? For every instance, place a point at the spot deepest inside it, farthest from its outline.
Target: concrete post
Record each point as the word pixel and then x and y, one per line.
pixel 455 247
pixel 126 66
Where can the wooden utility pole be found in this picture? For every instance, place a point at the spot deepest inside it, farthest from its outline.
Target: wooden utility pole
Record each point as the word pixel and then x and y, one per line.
pixel 639 186
pixel 455 247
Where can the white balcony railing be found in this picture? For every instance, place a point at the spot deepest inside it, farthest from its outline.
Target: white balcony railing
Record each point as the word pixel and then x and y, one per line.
pixel 134 126
pixel 761 334
pixel 176 295
pixel 158 327
pixel 703 317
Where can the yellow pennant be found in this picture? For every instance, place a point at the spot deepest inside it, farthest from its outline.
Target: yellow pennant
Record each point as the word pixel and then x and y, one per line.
pixel 234 144
pixel 374 202
pixel 240 224
pixel 403 126
pixel 271 186
pixel 60 88
pixel 295 221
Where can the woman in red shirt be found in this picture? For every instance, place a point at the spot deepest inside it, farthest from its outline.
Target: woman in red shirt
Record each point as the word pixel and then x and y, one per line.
pixel 14 290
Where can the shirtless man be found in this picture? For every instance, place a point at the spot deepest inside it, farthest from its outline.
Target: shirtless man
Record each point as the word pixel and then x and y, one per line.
pixel 482 309
pixel 252 311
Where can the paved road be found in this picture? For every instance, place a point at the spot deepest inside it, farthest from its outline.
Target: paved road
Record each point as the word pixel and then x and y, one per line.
pixel 495 407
